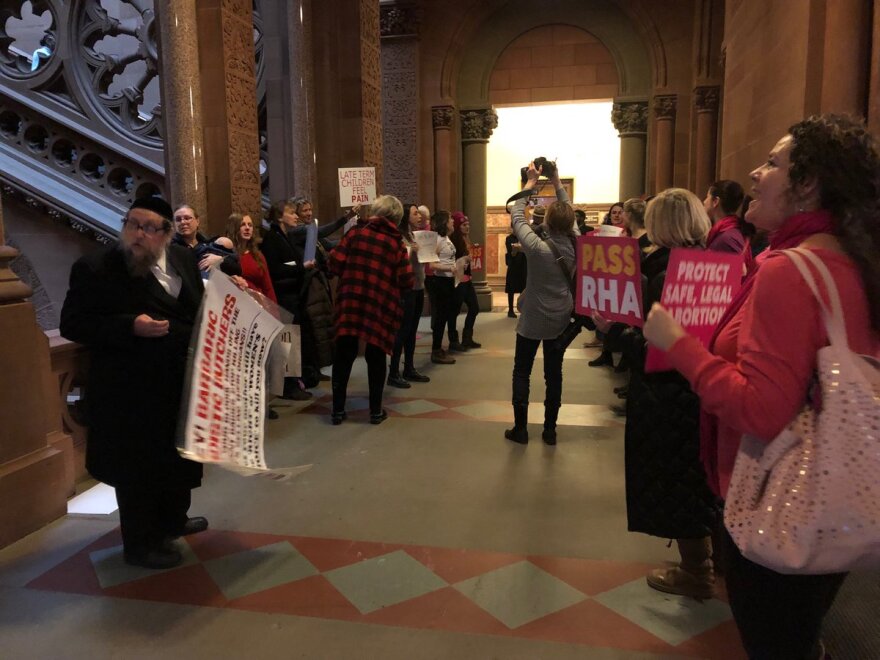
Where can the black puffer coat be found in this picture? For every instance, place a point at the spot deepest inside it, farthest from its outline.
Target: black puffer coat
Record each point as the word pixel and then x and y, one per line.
pixel 317 314
pixel 666 491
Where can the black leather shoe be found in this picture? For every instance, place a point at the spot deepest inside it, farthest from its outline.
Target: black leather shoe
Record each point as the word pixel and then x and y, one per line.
pixel 622 388
pixel 297 395
pixel 604 360
pixel 157 559
pixel 519 436
pixel 336 418
pixel 414 376
pixel 378 418
pixel 396 380
pixel 549 436
pixel 511 314
pixel 271 414
pixel 194 526
pixel 619 410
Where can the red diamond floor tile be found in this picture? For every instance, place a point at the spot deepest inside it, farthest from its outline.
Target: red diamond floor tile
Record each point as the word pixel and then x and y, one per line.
pixel 591 576
pixel 313 596
pixel 327 554
pixel 444 609
pixel 455 565
pixel 189 585
pixel 212 544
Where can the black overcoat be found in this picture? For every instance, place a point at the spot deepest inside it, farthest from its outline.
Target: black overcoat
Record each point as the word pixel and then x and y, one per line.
pixel 666 490
pixel 134 386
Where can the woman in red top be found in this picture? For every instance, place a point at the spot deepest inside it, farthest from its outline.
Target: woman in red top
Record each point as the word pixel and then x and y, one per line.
pixel 240 229
pixel 374 271
pixel 820 190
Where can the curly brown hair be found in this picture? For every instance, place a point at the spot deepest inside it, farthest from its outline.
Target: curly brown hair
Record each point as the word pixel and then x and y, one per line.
pixel 839 153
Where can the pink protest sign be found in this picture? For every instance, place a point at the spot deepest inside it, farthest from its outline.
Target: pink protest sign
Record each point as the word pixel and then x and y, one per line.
pixel 698 288
pixel 609 278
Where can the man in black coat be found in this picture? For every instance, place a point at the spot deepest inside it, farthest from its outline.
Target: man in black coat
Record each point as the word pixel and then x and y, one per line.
pixel 133 305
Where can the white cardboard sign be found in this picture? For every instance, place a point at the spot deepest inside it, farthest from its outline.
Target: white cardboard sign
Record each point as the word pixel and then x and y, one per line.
pixel 357 185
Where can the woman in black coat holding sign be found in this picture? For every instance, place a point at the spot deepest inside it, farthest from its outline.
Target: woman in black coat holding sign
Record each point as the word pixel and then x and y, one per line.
pixel 666 491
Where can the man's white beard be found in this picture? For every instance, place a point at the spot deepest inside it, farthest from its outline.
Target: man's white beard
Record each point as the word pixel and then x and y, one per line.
pixel 139 265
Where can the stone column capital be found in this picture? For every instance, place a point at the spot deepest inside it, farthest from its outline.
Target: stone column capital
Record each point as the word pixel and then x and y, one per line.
pixel 477 125
pixel 665 106
pixel 630 117
pixel 707 98
pixel 442 117
pixel 398 19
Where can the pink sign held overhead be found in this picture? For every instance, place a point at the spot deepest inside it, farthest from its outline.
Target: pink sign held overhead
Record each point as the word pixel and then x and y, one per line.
pixel 609 278
pixel 698 288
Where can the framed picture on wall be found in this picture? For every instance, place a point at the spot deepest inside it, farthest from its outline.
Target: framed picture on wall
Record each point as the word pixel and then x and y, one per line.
pixel 547 195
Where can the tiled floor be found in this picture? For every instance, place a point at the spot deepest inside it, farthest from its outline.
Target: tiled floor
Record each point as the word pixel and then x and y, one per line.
pixel 428 536
pixel 467 591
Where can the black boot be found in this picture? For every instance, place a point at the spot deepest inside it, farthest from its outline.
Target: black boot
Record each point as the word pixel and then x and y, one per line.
pixel 454 344
pixel 395 380
pixel 520 431
pixel 604 360
pixel 467 336
pixel 551 413
pixel 414 376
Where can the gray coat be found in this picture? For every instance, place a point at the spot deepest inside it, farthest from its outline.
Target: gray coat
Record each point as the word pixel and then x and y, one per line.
pixel 546 304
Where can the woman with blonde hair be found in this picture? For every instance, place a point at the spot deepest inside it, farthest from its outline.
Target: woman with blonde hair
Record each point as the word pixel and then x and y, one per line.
pixel 545 307
pixel 666 491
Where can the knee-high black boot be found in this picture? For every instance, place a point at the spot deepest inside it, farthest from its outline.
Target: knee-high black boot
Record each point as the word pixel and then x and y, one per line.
pixel 551 413
pixel 520 431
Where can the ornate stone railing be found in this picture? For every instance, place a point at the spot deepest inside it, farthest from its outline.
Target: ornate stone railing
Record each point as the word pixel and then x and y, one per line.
pixel 69 366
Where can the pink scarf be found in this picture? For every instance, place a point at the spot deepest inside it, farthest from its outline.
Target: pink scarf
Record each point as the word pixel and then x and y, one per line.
pixel 723 225
pixel 792 233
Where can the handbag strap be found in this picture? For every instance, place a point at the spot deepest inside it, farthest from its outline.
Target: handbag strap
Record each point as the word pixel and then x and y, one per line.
pixel 569 276
pixel 835 324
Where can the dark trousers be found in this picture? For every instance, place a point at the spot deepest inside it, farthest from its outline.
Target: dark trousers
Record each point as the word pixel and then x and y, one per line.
pixel 405 342
pixel 441 291
pixel 523 361
pixel 779 617
pixel 464 295
pixel 149 515
pixel 346 353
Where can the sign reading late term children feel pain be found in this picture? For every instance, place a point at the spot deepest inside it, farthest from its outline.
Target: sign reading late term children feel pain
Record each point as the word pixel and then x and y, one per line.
pixel 698 288
pixel 357 185
pixel 609 278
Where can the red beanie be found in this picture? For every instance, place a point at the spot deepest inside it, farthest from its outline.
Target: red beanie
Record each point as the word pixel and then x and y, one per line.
pixel 458 219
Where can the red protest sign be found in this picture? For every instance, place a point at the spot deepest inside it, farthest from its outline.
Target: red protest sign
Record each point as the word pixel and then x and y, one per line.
pixel 609 278
pixel 476 258
pixel 697 290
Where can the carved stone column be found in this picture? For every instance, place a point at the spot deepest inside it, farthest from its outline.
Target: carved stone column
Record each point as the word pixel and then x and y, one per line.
pixel 630 118
pixel 706 101
pixel 442 119
pixel 229 109
pixel 664 134
pixel 476 129
pixel 182 103
pixel 400 98
pixel 289 99
pixel 348 94
pixel 36 458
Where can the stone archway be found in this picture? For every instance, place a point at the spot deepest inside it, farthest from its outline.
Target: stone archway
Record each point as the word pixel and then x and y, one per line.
pixel 465 82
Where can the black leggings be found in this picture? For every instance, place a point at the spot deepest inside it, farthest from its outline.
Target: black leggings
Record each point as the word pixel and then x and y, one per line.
pixel 346 353
pixel 405 342
pixel 464 295
pixel 441 291
pixel 779 617
pixel 524 360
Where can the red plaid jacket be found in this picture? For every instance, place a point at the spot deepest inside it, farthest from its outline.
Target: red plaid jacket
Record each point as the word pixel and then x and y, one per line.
pixel 373 270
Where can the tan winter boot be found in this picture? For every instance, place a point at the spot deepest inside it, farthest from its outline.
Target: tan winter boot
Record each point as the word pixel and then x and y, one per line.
pixel 693 577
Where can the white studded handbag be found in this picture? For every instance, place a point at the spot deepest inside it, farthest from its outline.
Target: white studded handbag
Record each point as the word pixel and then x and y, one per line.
pixel 809 501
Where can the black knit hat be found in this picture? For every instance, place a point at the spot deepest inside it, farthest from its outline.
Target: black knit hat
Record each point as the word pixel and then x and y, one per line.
pixel 155 204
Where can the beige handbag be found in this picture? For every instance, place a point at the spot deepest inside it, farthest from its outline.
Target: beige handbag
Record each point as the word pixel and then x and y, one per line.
pixel 809 501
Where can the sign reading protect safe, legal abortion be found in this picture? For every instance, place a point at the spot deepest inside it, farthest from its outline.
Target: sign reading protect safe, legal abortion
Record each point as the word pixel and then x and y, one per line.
pixel 357 185
pixel 698 288
pixel 609 278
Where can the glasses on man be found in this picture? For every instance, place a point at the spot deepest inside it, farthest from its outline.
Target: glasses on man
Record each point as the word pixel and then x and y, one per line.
pixel 150 230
